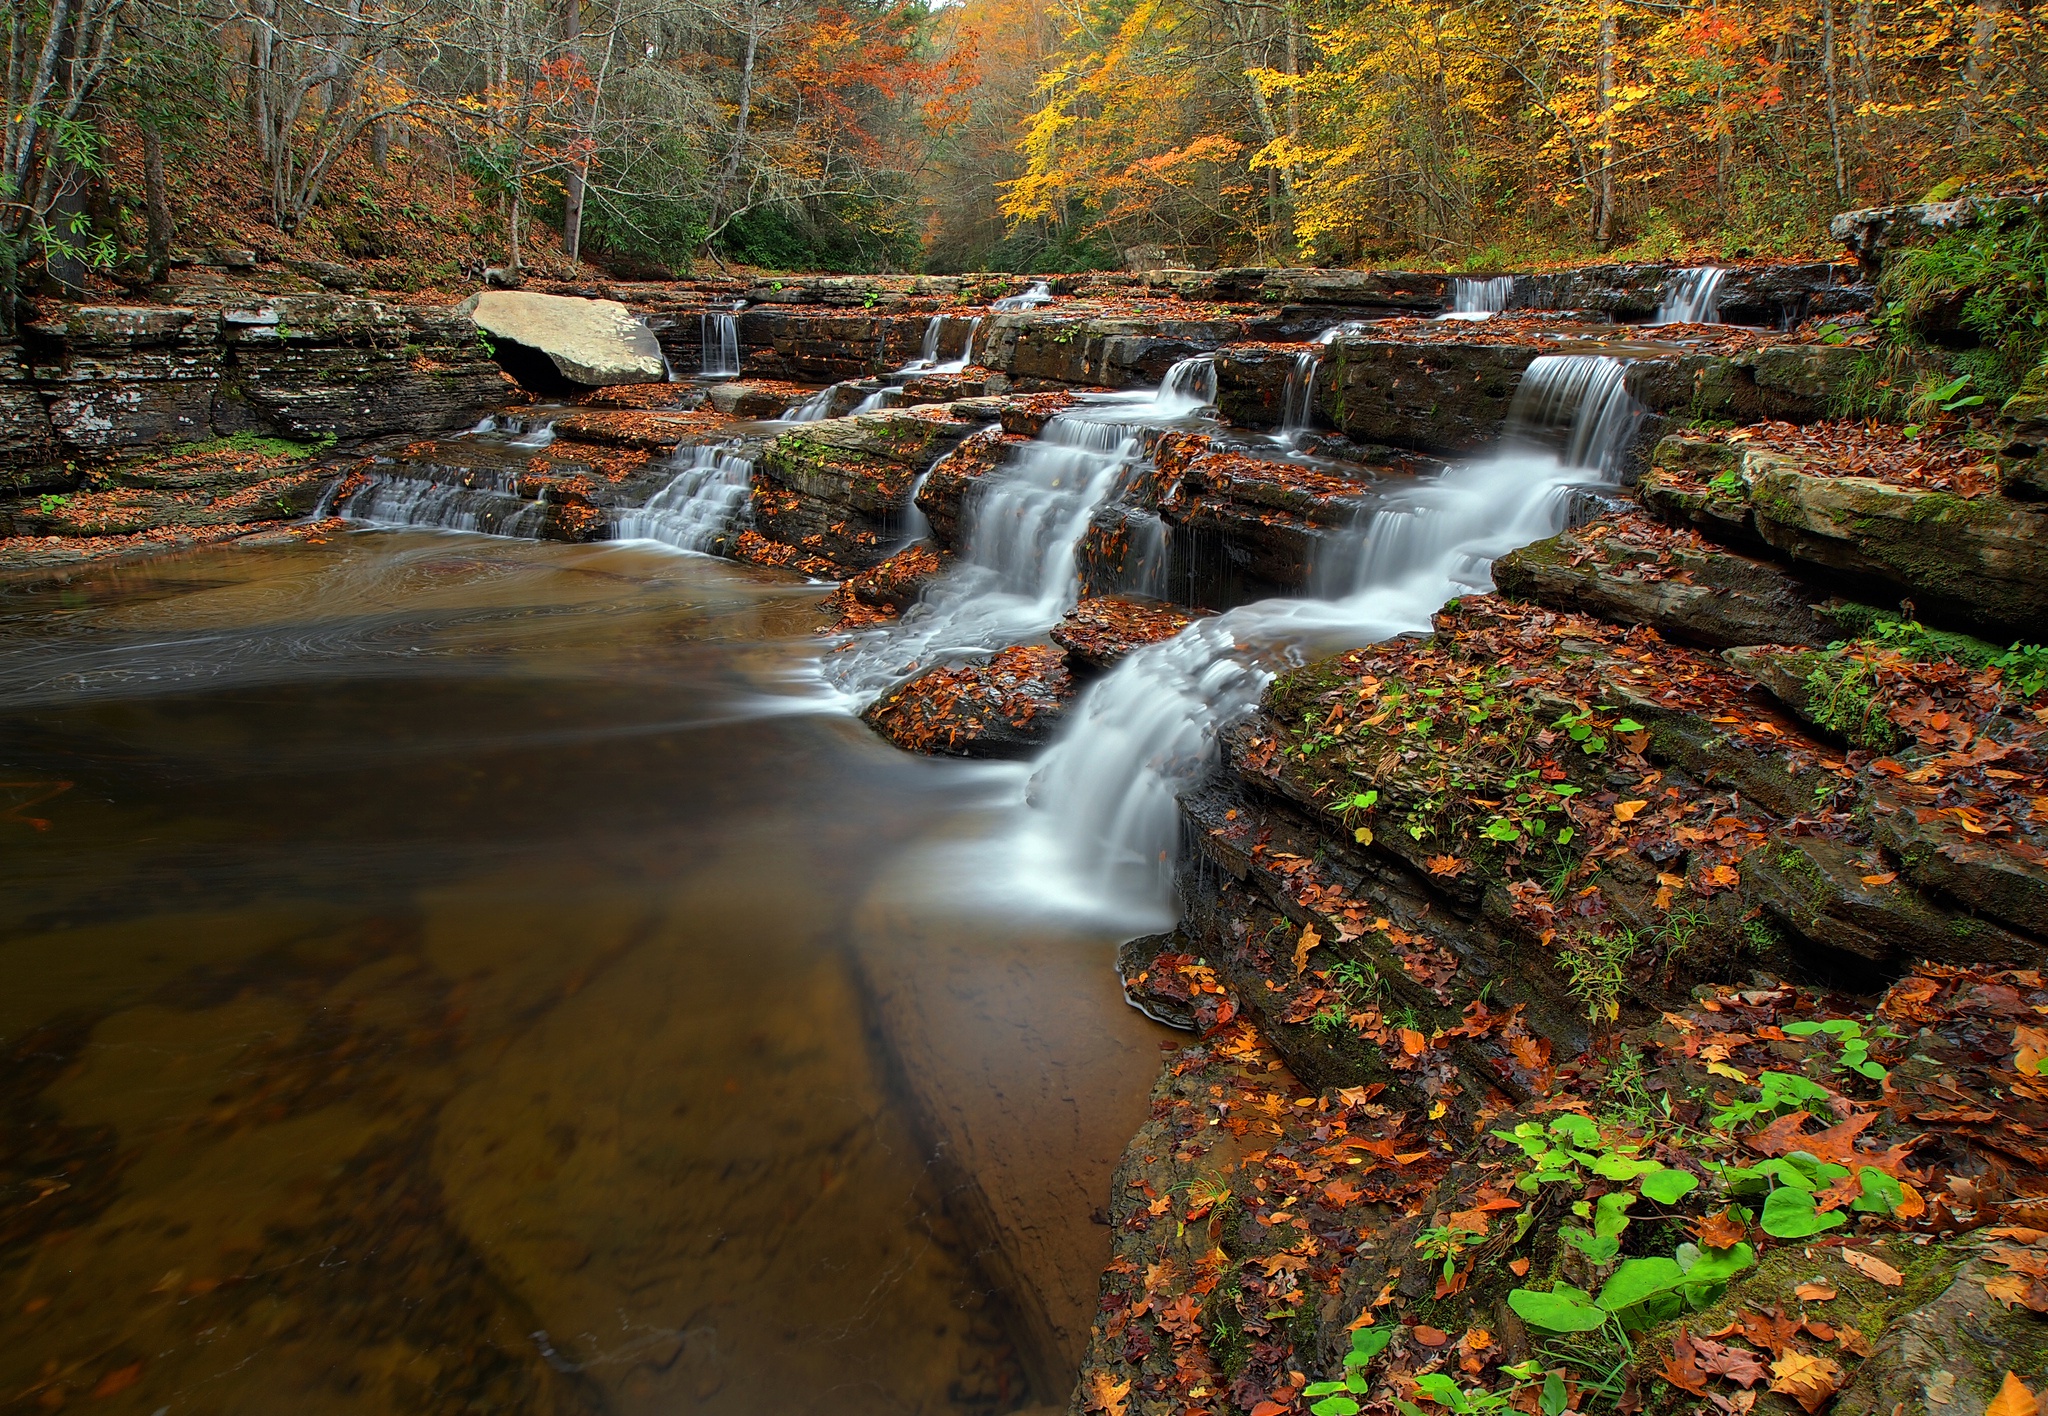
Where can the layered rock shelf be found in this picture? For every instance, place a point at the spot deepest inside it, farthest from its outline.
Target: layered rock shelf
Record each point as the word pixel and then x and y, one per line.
pixel 1749 745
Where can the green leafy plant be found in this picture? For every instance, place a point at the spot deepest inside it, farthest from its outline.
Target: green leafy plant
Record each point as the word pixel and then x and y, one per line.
pixel 1777 1093
pixel 1447 1244
pixel 1339 1398
pixel 50 503
pixel 2026 669
pixel 1855 1055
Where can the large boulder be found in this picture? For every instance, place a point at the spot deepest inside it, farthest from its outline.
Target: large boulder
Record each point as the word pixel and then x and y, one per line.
pixel 588 342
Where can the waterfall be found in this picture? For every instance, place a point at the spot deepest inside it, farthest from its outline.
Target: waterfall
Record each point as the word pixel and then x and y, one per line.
pixel 814 409
pixel 723 332
pixel 698 505
pixel 966 353
pixel 1039 293
pixel 1017 571
pixel 483 502
pixel 1692 297
pixel 1298 396
pixel 928 354
pixel 1105 791
pixel 1475 299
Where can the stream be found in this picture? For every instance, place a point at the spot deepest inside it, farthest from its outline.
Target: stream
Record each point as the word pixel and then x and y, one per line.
pixel 456 972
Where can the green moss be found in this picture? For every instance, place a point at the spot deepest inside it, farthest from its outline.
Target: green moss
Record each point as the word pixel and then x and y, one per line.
pixel 253 442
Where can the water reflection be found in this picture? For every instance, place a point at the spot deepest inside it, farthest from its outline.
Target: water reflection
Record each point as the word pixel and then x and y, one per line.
pixel 444 984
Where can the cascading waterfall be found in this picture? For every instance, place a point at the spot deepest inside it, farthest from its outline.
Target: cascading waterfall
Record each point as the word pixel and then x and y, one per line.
pixel 814 409
pixel 1476 299
pixel 719 336
pixel 1692 297
pixel 1105 791
pixel 481 501
pixel 1298 395
pixel 1017 572
pixel 698 506
pixel 1037 293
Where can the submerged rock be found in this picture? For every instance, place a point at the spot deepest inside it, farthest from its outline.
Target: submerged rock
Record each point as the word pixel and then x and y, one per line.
pixel 1099 632
pixel 588 342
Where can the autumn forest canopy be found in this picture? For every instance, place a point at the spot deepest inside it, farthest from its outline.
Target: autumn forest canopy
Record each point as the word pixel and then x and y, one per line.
pixel 653 136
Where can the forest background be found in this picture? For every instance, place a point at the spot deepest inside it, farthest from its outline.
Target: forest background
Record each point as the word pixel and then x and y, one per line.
pixel 430 137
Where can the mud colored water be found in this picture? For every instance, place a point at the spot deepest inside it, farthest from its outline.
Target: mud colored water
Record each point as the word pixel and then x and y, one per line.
pixel 442 974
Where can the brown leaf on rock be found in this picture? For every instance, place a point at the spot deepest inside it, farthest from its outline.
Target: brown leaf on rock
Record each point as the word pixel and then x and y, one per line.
pixel 1106 1394
pixel 1872 1267
pixel 1682 1368
pixel 1810 1381
pixel 1816 1291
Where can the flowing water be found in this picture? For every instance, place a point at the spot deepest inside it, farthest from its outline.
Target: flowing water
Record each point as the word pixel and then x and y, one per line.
pixel 1036 294
pixel 719 337
pixel 1017 573
pixel 1692 297
pixel 1473 298
pixel 699 506
pixel 1104 820
pixel 456 973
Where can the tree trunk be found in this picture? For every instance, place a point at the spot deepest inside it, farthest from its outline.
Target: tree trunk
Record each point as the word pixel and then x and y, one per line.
pixel 1976 69
pixel 1827 69
pixel 1603 224
pixel 156 200
pixel 572 185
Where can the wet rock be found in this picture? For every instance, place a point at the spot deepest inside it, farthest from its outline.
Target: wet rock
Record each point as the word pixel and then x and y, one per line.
pixel 840 489
pixel 1632 570
pixel 1443 398
pixel 1005 706
pixel 1057 349
pixel 1951 1355
pixel 1154 970
pixel 28 446
pixel 2023 431
pixel 897 582
pixel 941 496
pixel 755 399
pixel 1098 633
pixel 1900 530
pixel 589 342
pixel 645 431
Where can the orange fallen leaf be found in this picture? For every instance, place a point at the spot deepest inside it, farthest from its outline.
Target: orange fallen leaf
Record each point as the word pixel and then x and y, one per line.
pixel 1810 1381
pixel 1882 878
pixel 1309 940
pixel 118 1380
pixel 1815 1292
pixel 2013 1399
pixel 1626 810
pixel 1447 865
pixel 1721 1231
pixel 1872 1267
pixel 1852 1341
pixel 1412 1042
pixel 1429 1336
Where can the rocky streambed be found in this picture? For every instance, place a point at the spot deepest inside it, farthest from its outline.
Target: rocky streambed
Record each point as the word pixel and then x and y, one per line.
pixel 1548 750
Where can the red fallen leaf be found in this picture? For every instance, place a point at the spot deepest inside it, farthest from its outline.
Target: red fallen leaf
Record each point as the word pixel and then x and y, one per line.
pixel 1720 1231
pixel 1737 1364
pixel 1269 1408
pixel 1682 1368
pixel 1429 1336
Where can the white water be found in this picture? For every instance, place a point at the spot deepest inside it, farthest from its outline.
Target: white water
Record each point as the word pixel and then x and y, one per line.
pixel 1692 297
pixel 492 507
pixel 1476 299
pixel 1039 293
pixel 700 504
pixel 1105 821
pixel 1017 572
pixel 719 336
pixel 814 409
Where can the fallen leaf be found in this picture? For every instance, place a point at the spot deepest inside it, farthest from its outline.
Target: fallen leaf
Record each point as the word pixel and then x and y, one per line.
pixel 2013 1399
pixel 1429 1336
pixel 1882 878
pixel 1518 1267
pixel 1810 1381
pixel 1852 1341
pixel 1412 1042
pixel 1309 940
pixel 121 1378
pixel 1626 810
pixel 1682 1369
pixel 1872 1267
pixel 1737 1364
pixel 1721 1231
pixel 1447 865
pixel 1815 1292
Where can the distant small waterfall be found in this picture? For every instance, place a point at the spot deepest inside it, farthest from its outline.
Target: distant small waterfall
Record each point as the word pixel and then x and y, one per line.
pixel 719 336
pixel 1475 299
pixel 1038 293
pixel 698 506
pixel 1692 297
